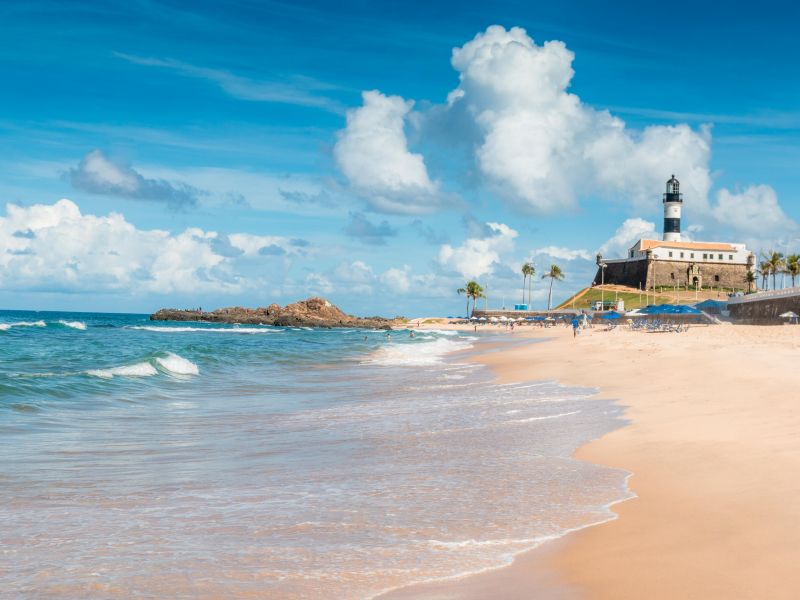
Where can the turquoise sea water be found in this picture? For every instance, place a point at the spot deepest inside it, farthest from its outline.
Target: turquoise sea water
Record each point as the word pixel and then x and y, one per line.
pixel 188 460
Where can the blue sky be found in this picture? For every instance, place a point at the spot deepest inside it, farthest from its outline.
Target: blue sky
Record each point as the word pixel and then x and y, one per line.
pixel 223 153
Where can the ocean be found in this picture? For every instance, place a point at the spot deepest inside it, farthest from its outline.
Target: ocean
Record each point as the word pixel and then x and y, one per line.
pixel 191 460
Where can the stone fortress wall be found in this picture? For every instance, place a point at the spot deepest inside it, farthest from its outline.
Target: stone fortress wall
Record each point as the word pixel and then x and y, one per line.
pixel 645 273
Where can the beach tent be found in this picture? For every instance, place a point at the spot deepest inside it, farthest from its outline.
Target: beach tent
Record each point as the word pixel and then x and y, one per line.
pixel 494 319
pixel 792 316
pixel 538 318
pixel 473 318
pixel 712 306
pixel 483 319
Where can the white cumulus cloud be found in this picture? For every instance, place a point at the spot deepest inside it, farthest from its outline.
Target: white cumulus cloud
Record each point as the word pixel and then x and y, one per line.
pixel 98 174
pixel 543 148
pixel 372 152
pixel 55 247
pixel 626 236
pixel 397 280
pixel 754 210
pixel 476 255
pixel 562 253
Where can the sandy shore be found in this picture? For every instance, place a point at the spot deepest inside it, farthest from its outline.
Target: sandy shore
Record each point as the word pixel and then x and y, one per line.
pixel 714 448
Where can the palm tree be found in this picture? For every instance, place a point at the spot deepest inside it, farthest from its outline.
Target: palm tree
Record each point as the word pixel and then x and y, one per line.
pixel 793 266
pixel 555 274
pixel 775 260
pixel 527 271
pixel 530 284
pixel 764 269
pixel 463 290
pixel 473 291
pixel 751 279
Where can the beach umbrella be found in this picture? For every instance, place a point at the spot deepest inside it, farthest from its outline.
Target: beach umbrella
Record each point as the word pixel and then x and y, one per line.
pixel 788 315
pixel 494 319
pixel 538 318
pixel 610 315
pixel 473 318
pixel 483 319
pixel 503 318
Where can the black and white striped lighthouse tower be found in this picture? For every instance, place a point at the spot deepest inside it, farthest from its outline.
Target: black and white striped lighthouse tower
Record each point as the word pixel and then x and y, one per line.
pixel 673 200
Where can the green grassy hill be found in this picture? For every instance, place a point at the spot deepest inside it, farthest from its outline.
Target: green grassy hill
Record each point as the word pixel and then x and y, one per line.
pixel 633 299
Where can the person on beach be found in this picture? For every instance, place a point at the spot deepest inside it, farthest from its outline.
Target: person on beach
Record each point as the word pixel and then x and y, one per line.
pixel 411 335
pixel 575 325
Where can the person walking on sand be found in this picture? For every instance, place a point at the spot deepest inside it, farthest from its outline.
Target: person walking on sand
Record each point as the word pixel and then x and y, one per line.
pixel 575 324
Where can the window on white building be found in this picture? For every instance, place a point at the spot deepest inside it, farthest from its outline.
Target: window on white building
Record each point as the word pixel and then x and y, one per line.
pixel 720 256
pixel 730 257
pixel 670 254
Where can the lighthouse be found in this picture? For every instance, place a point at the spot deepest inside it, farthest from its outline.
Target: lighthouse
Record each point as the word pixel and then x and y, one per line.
pixel 673 199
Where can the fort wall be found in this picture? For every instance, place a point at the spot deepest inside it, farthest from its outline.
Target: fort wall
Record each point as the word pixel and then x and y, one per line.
pixel 646 273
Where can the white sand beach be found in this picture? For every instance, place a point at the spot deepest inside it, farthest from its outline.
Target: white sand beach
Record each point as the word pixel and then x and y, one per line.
pixel 714 449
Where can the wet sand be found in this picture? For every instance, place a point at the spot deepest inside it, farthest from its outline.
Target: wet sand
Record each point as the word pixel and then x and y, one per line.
pixel 714 448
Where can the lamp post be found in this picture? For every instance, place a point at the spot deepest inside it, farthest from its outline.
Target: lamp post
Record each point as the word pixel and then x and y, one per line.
pixel 602 283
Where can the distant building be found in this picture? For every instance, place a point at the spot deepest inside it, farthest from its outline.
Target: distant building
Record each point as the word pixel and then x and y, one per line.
pixel 672 262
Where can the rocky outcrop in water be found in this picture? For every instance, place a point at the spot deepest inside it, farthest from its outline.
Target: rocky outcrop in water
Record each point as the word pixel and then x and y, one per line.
pixel 314 312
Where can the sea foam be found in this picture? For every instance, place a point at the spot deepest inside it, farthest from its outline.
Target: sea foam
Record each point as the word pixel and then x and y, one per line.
pixel 141 369
pixel 177 365
pixel 171 364
pixel 205 329
pixel 418 354
pixel 73 324
pixel 7 326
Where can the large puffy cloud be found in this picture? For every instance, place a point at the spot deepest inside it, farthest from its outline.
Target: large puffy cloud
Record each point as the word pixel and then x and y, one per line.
pixel 626 236
pixel 537 145
pixel 754 210
pixel 477 255
pixel 542 147
pixel 57 248
pixel 372 152
pixel 97 174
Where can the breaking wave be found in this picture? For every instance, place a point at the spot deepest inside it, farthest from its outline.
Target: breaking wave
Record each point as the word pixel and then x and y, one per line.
pixel 74 324
pixel 171 364
pixel 418 354
pixel 205 329
pixel 7 326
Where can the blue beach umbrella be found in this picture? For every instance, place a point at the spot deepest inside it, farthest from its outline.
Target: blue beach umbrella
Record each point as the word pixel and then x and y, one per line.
pixel 610 315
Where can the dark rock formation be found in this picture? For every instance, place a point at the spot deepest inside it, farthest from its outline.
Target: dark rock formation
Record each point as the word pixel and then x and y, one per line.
pixel 314 312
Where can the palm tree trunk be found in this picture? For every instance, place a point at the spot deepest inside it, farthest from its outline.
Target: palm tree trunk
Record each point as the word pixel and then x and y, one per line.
pixel 530 285
pixel 524 277
pixel 550 295
pixel 468 315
